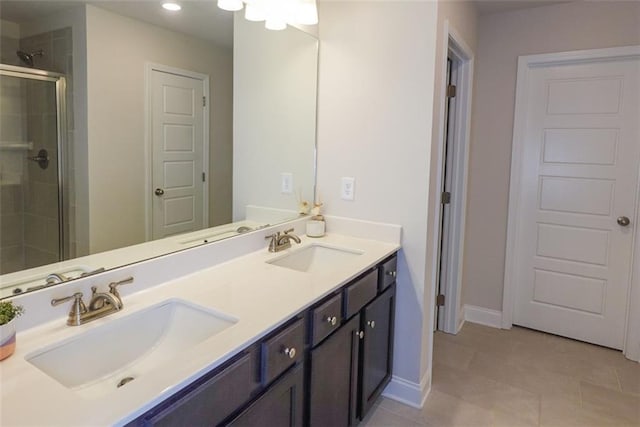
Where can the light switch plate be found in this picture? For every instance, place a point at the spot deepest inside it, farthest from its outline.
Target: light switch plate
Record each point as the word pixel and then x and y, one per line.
pixel 286 183
pixel 348 188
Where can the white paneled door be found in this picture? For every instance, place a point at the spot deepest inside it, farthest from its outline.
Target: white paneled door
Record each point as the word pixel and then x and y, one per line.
pixel 178 146
pixel 580 152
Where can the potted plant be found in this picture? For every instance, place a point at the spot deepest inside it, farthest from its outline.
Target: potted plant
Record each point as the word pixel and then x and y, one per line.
pixel 8 312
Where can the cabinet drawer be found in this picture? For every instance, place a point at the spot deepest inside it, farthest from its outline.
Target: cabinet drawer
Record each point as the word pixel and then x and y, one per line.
pixel 387 273
pixel 326 318
pixel 281 351
pixel 210 402
pixel 358 294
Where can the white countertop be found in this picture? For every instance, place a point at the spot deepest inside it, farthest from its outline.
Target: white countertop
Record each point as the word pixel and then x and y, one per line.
pixel 262 296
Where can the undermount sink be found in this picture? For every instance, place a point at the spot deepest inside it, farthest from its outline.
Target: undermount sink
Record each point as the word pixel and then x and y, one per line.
pixel 315 258
pixel 103 359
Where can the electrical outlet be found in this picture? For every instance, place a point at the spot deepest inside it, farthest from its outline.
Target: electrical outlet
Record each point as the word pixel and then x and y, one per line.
pixel 286 183
pixel 348 188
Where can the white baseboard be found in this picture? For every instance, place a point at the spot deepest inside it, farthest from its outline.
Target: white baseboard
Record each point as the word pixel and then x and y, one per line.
pixel 461 318
pixel 408 392
pixel 483 316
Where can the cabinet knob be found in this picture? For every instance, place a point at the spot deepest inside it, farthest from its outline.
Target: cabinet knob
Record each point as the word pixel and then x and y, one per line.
pixel 159 192
pixel 372 323
pixel 332 320
pixel 291 352
pixel 392 273
pixel 360 334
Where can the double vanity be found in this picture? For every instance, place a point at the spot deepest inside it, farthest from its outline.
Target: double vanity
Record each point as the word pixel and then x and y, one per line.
pixel 301 336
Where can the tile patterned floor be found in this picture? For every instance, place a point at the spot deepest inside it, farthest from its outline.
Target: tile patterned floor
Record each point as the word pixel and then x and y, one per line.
pixel 491 377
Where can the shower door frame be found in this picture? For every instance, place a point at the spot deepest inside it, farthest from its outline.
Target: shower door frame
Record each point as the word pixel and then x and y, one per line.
pixel 61 125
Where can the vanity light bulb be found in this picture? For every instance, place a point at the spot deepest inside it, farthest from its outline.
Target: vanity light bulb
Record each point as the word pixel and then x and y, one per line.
pixel 254 12
pixel 275 24
pixel 307 13
pixel 230 5
pixel 173 7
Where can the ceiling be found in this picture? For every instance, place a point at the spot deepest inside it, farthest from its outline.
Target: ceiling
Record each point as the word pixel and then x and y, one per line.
pixel 198 18
pixel 485 7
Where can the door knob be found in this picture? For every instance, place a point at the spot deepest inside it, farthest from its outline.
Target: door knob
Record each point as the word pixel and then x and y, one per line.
pixel 159 191
pixel 623 221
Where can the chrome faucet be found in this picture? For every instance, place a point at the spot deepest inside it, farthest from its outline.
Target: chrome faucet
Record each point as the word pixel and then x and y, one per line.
pixel 281 241
pixel 101 304
pixel 55 278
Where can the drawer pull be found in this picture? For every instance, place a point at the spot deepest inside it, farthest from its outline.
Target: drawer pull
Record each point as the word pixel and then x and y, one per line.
pixel 333 320
pixel 360 334
pixel 372 323
pixel 392 273
pixel 291 352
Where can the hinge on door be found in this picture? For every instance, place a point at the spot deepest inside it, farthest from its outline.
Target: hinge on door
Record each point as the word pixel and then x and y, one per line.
pixel 204 177
pixel 451 91
pixel 204 101
pixel 446 198
pixel 440 300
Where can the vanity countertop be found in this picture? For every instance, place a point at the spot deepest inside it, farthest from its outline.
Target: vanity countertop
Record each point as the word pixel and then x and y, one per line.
pixel 260 295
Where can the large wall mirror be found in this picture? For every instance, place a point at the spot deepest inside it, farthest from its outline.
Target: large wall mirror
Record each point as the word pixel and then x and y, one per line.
pixel 128 132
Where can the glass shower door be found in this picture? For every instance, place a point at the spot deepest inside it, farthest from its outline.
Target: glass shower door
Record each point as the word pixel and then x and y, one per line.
pixel 31 202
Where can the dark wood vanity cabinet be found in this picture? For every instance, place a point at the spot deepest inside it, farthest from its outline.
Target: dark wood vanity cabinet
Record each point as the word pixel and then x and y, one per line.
pixel 349 370
pixel 324 367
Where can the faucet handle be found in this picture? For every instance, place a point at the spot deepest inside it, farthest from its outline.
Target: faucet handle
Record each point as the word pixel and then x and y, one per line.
pixel 113 286
pixel 77 309
pixel 57 301
pixel 288 231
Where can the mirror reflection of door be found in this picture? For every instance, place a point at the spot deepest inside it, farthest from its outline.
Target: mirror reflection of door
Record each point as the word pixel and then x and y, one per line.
pixel 179 135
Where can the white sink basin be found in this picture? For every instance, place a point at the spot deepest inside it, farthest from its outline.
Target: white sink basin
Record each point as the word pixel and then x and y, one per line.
pixel 315 258
pixel 96 362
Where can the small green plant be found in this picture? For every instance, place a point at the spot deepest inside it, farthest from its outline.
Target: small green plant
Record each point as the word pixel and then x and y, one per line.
pixel 8 311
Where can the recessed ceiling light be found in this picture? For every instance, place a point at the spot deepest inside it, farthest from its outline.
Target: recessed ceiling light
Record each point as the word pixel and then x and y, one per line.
pixel 174 7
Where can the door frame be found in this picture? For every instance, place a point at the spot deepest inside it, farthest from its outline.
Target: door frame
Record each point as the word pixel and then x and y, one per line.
pixel 455 46
pixel 525 63
pixel 149 68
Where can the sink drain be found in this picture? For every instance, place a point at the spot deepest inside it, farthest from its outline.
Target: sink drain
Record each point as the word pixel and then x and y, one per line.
pixel 124 381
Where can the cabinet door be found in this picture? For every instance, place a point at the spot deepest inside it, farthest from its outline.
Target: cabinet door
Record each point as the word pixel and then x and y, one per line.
pixel 377 348
pixel 280 406
pixel 333 381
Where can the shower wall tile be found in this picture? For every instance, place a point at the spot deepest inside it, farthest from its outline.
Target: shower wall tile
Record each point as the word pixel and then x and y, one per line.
pixel 8 48
pixel 42 200
pixel 35 257
pixel 11 200
pixel 41 233
pixel 12 127
pixel 11 226
pixel 12 259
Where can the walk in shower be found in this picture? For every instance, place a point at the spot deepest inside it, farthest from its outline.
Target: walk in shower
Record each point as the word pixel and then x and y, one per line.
pixel 33 226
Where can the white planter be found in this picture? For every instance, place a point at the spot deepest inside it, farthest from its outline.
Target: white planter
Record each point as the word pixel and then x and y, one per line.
pixel 7 339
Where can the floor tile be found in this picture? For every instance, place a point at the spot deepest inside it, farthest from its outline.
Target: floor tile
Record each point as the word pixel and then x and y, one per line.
pixel 519 378
pixel 487 393
pixel 559 412
pixel 380 417
pixel 629 376
pixel 614 403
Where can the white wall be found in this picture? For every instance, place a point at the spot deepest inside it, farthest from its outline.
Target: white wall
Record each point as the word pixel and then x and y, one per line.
pixel 375 112
pixel 274 115
pixel 116 120
pixel 502 38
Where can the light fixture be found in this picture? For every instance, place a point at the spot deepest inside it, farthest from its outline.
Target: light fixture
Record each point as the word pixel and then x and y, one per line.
pixel 276 13
pixel 230 5
pixel 173 7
